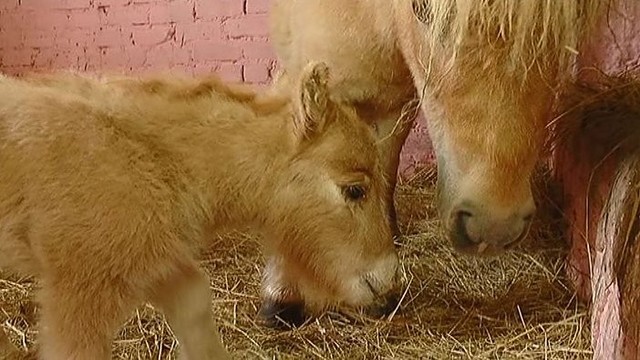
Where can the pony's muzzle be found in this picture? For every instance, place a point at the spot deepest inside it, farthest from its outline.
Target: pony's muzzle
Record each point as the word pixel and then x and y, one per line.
pixel 475 231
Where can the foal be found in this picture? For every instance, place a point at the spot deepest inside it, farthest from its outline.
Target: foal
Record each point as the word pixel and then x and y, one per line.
pixel 109 188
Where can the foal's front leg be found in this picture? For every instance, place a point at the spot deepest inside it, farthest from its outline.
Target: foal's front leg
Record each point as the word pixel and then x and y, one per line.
pixel 185 299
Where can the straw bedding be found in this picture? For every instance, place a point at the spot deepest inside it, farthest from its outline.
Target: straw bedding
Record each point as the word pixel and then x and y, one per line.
pixel 454 307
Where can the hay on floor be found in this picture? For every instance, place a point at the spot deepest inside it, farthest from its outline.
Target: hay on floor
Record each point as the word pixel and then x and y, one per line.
pixel 454 307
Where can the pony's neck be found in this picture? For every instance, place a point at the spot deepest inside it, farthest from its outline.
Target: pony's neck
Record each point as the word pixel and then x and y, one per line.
pixel 241 161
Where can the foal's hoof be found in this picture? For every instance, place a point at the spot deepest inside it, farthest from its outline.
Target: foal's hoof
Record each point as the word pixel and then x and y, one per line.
pixel 281 315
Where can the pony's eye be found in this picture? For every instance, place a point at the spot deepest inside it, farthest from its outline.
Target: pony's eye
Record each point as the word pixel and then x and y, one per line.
pixel 354 192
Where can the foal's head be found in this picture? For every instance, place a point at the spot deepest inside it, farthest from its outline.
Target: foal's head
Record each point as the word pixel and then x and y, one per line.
pixel 335 242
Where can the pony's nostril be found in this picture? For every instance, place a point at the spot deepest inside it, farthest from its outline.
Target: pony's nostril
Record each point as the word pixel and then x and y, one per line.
pixel 461 233
pixel 528 218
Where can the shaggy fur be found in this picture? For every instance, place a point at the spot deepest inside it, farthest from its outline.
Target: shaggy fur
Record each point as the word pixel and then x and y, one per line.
pixel 110 187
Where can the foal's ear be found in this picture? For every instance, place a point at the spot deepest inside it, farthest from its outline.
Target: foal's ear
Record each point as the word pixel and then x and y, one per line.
pixel 312 104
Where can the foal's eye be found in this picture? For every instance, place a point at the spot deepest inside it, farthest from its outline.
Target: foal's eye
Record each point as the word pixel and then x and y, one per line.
pixel 354 192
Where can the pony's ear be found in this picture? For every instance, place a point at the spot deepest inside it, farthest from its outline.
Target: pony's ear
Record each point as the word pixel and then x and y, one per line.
pixel 312 105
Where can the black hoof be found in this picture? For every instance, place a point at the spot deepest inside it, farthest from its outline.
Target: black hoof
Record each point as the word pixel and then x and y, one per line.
pixel 279 315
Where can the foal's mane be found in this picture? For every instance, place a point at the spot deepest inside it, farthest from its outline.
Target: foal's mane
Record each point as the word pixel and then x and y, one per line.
pixel 189 89
pixel 180 88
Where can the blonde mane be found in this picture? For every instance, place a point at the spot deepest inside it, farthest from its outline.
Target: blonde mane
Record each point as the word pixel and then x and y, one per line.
pixel 500 35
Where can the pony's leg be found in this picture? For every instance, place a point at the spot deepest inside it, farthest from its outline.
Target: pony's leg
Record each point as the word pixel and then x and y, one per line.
pixel 185 299
pixel 282 307
pixel 392 130
pixel 78 321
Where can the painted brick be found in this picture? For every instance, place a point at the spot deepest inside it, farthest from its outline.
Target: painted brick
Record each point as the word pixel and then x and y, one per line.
pixel 134 14
pixel 53 4
pixel 65 60
pixel 114 57
pixel 166 56
pixel 7 6
pixel 83 18
pixel 248 26
pixel 44 20
pixel 17 58
pixel 34 39
pixel 174 11
pixel 199 30
pixel 181 55
pixel 110 36
pixel 74 38
pixel 229 72
pixel 72 4
pixel 208 50
pixel 257 50
pixel 11 40
pixel 90 58
pixel 256 73
pixel 161 56
pixel 136 56
pixel 106 3
pixel 154 35
pixel 15 70
pixel 258 6
pixel 7 22
pixel 219 9
pixel 44 57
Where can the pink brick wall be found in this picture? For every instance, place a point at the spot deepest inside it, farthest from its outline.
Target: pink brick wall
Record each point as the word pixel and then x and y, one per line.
pixel 193 36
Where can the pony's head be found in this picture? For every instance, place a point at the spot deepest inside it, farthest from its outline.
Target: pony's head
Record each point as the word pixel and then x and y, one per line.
pixel 486 71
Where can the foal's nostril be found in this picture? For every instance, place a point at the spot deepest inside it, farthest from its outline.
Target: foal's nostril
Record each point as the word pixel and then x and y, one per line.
pixel 391 303
pixel 282 315
pixel 388 305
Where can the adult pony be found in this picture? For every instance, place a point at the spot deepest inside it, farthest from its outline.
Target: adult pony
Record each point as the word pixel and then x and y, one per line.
pixel 484 72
